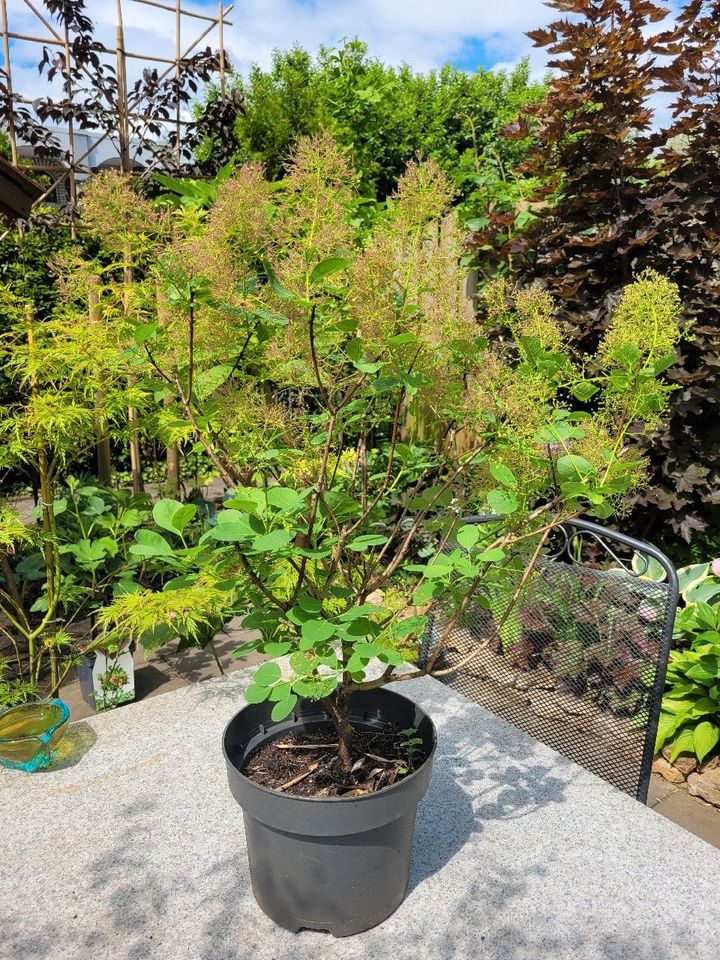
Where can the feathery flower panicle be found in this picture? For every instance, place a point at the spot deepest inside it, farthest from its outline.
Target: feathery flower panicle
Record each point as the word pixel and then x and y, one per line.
pixel 646 318
pixel 124 222
pixel 495 298
pixel 313 208
pixel 241 216
pixel 535 317
pixel 423 196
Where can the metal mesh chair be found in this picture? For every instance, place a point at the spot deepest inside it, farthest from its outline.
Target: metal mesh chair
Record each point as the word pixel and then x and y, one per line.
pixel 580 662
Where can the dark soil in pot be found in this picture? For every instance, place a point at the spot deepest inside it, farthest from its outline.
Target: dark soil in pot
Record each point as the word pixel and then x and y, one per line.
pixel 337 863
pixel 306 764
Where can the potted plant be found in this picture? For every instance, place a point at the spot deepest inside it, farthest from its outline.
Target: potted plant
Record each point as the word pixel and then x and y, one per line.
pixel 347 380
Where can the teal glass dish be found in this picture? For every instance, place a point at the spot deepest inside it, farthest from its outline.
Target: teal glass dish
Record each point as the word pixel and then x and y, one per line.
pixel 30 732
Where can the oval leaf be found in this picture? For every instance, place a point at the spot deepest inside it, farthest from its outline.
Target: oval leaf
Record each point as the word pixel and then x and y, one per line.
pixel 328 266
pixel 501 502
pixel 172 515
pixel 705 739
pixel 283 708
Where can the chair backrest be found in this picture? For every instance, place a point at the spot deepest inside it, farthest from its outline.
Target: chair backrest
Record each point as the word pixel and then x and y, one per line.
pixel 580 662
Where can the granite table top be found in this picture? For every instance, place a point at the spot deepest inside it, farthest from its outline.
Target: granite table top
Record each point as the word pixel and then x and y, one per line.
pixel 132 848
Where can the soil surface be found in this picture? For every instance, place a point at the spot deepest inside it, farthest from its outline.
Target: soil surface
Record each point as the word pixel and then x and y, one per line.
pixel 306 764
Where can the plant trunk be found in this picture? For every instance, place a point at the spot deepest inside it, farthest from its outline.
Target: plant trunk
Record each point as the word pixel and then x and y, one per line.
pixel 340 712
pixel 47 497
pixel 135 460
pixel 172 452
pixel 104 456
pixel 172 458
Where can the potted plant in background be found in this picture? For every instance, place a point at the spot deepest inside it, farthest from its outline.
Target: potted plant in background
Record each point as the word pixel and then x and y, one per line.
pixel 344 390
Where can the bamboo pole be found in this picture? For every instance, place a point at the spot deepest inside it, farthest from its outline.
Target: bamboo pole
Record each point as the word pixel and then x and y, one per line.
pixel 124 136
pixel 71 138
pixel 122 102
pixel 121 54
pixel 172 452
pixel 101 48
pixel 185 13
pixel 221 45
pixel 48 518
pixel 8 74
pixel 178 79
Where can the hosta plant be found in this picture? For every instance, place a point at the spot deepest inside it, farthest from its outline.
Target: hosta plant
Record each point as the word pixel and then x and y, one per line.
pixel 690 717
pixel 345 392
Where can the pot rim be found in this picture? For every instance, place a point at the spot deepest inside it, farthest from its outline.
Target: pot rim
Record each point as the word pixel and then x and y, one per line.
pixel 51 701
pixel 386 791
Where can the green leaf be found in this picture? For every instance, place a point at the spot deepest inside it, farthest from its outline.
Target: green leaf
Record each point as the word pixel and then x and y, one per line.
pixel 315 688
pixel 442 567
pixel 277 288
pixel 501 502
pixel 87 552
pixel 355 613
pixel 468 535
pixel 705 739
pixel 573 466
pixel 273 541
pixel 231 527
pixel 285 499
pixel 413 624
pixel 249 647
pixel 256 694
pixel 584 390
pixel 662 363
pixel 247 499
pixel 702 592
pixel 277 648
pixel 360 544
pixel 308 603
pixel 683 743
pixel 690 576
pixel 150 544
pixel 503 475
pixel 173 516
pixel 267 674
pixel 144 332
pixel 327 267
pixel 667 726
pixel 426 592
pixel 401 339
pixel 362 627
pixel 648 568
pixel 316 631
pixel 283 708
pixel 280 691
pixel 494 555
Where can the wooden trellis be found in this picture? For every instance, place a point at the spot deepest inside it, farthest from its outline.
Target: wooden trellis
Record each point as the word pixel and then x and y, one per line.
pixel 127 105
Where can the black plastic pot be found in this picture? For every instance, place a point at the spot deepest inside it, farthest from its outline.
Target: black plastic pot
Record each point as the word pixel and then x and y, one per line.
pixel 337 864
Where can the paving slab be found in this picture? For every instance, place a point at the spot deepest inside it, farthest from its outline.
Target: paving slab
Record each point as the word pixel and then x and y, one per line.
pixel 693 814
pixel 133 849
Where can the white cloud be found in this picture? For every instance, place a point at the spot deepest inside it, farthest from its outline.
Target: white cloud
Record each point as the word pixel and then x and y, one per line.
pixel 424 33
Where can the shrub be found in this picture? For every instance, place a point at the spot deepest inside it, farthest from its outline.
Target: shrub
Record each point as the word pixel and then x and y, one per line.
pixel 295 352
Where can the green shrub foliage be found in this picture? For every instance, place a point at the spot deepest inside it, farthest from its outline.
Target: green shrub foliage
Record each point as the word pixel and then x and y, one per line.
pixel 615 195
pixel 382 116
pixel 341 385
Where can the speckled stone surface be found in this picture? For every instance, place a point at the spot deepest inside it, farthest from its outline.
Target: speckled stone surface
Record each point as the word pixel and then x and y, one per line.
pixel 136 850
